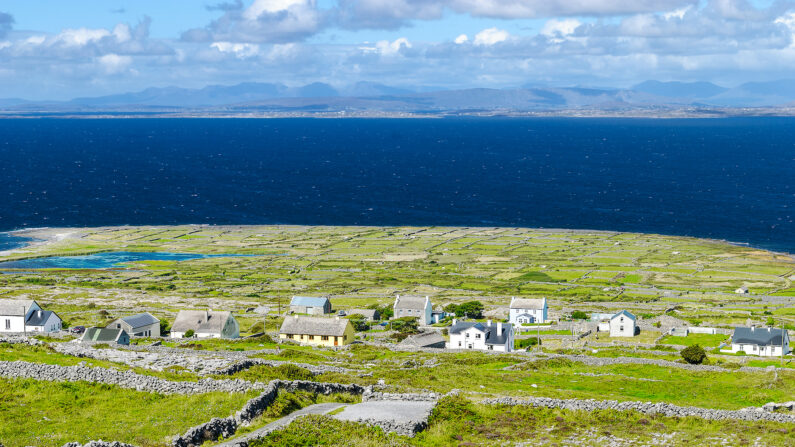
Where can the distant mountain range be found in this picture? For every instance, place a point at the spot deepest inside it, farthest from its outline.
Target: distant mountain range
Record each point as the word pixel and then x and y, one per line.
pixel 374 97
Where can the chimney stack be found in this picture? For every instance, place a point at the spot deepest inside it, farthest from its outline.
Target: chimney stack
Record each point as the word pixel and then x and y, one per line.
pixel 453 321
pixel 488 323
pixel 499 329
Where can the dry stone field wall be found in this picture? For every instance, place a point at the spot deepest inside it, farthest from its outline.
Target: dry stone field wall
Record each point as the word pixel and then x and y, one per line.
pixel 669 410
pixel 124 379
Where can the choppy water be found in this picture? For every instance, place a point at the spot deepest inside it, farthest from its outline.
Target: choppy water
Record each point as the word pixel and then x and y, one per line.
pixel 721 178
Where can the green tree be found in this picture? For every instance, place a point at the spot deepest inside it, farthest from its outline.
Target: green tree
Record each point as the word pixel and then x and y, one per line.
pixel 579 315
pixel 694 354
pixel 471 309
pixel 452 308
pixel 359 322
pixel 189 333
pixel 164 327
pixel 771 322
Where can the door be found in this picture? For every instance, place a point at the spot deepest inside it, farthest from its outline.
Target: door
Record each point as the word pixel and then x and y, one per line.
pixel 336 341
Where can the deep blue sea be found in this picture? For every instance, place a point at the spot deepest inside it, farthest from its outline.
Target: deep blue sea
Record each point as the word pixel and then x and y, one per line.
pixel 730 179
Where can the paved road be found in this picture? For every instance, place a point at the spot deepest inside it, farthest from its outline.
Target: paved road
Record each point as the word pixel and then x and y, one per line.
pixel 242 441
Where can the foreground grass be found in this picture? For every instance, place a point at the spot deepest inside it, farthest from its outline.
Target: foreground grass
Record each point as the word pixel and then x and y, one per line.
pixel 47 414
pixel 458 422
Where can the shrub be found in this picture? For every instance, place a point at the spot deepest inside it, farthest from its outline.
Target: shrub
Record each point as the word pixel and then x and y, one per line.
pixel 694 354
pixel 164 327
pixel 189 333
pixel 525 342
pixel 359 322
pixel 579 315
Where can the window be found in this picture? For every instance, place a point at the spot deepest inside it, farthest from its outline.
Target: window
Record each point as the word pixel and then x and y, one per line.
pixel 8 323
pixel 290 336
pixel 344 337
pixel 459 344
pixel 311 337
pixel 477 335
pixel 491 348
pixel 621 328
pixel 324 337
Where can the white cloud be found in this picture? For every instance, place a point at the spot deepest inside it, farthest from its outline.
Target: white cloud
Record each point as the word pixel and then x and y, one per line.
pixel 677 13
pixel 491 36
pixel 387 48
pixel 122 32
pixel 260 7
pixel 554 27
pixel 240 50
pixel 461 39
pixel 81 36
pixel 516 9
pixel 113 63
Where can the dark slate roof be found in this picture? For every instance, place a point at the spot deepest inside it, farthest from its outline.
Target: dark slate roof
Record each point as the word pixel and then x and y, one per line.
pixel 101 334
pixel 424 339
pixel 491 331
pixel 757 336
pixel 140 320
pixel 308 301
pixel 38 318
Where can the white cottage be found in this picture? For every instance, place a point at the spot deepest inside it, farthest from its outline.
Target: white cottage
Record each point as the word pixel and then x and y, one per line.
pixel 766 342
pixel 622 324
pixel 528 311
pixel 21 316
pixel 413 306
pixel 484 337
pixel 205 324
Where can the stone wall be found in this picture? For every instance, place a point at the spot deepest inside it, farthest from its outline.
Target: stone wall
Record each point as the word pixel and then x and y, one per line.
pixel 670 410
pixel 124 379
pixel 218 428
pixel 99 443
pixel 370 395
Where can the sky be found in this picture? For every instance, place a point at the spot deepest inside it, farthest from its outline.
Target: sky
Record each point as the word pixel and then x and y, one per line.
pixel 54 49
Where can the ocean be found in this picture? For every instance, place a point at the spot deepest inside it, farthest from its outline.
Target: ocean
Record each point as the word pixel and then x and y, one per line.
pixel 730 179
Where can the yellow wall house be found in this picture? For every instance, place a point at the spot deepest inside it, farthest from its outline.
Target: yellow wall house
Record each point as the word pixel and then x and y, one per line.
pixel 317 330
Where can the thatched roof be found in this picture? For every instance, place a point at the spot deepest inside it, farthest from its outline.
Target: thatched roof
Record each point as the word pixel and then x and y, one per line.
pixel 298 325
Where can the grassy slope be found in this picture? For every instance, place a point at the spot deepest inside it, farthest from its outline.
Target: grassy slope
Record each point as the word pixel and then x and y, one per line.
pixel 53 413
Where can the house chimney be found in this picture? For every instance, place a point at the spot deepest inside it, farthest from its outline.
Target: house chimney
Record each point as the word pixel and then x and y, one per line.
pixel 488 323
pixel 38 313
pixel 454 321
pixel 499 329
pixel 752 328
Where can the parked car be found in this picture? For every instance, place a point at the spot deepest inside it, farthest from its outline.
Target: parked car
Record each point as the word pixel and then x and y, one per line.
pixel 77 329
pixel 342 313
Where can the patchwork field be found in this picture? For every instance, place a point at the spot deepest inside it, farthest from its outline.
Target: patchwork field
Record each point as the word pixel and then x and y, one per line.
pixel 665 281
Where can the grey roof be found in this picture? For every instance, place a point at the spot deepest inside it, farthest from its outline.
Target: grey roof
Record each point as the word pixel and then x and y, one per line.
pixel 527 303
pixel 140 320
pixel 311 301
pixel 491 331
pixel 209 321
pixel 626 313
pixel 367 313
pixel 410 302
pixel 757 336
pixel 39 318
pixel 314 326
pixel 14 308
pixel 101 334
pixel 424 339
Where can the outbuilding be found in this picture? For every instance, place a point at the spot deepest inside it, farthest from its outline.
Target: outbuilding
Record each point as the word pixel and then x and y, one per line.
pixel 45 321
pixel 105 335
pixel 413 306
pixel 765 342
pixel 310 305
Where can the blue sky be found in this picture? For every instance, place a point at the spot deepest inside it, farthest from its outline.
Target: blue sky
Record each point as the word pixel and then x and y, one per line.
pixel 52 49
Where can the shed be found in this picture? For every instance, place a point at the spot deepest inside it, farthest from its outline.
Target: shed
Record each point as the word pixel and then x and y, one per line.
pixel 429 339
pixel 105 335
pixel 310 305
pixel 139 325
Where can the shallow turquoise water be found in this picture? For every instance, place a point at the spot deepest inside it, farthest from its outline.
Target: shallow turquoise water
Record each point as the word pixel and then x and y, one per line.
pixel 104 260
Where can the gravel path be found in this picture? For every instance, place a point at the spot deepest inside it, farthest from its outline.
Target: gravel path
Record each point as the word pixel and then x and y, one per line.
pixel 279 424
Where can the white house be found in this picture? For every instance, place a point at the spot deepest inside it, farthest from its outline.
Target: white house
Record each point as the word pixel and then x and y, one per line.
pixel 205 324
pixel 43 321
pixel 140 325
pixel 484 337
pixel 20 316
pixel 413 306
pixel 527 311
pixel 764 342
pixel 622 324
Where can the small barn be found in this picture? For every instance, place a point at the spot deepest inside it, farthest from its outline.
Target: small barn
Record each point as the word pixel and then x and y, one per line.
pixel 105 335
pixel 310 305
pixel 139 325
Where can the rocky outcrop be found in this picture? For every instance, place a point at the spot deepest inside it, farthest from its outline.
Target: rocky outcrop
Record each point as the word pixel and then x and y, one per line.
pixel 124 379
pixel 665 409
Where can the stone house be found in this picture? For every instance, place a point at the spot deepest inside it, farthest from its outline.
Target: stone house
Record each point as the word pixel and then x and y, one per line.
pixel 105 335
pixel 317 331
pixel 429 339
pixel 205 324
pixel 140 325
pixel 368 314
pixel 21 316
pixel 310 305
pixel 622 324
pixel 765 342
pixel 484 337
pixel 528 311
pixel 413 306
